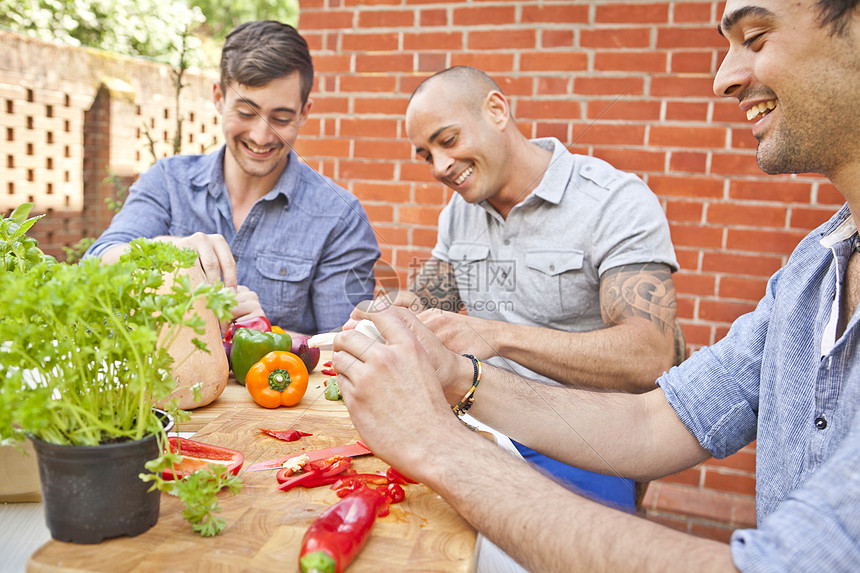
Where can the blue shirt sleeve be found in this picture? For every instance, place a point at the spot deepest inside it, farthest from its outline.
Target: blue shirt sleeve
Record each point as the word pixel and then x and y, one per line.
pixel 345 271
pixel 145 213
pixel 817 527
pixel 715 392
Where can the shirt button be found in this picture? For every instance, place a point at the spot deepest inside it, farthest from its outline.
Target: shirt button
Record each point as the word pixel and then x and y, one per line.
pixel 283 271
pixel 552 267
pixel 821 422
pixel 507 241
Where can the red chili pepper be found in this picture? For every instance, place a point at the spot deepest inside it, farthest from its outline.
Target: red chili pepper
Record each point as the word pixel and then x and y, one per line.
pixel 285 435
pixel 395 476
pixel 332 542
pixel 327 363
pixel 197 456
pixel 328 372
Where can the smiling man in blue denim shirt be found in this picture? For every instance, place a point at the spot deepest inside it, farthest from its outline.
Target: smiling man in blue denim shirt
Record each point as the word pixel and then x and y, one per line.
pixel 287 238
pixel 787 375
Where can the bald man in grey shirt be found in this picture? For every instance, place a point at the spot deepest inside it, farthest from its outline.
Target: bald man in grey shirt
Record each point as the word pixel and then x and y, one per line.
pixel 562 262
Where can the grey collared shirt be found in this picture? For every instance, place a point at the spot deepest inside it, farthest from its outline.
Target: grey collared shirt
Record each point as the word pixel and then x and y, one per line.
pixel 542 265
pixel 306 248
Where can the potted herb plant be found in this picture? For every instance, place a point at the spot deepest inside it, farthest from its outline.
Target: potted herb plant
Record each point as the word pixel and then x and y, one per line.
pixel 84 362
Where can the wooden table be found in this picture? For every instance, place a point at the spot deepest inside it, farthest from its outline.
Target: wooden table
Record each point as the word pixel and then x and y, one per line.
pixel 265 526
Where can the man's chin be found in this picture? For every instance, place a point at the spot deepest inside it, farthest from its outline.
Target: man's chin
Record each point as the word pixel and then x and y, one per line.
pixel 254 168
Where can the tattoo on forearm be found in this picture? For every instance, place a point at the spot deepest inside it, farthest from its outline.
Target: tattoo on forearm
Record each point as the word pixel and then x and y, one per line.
pixel 436 286
pixel 641 290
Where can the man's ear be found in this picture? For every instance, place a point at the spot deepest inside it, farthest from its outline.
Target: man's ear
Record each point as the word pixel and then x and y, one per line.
pixel 218 97
pixel 306 110
pixel 498 108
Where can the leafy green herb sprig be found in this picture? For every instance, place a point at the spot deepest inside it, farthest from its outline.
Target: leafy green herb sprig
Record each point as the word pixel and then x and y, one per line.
pixel 19 252
pixel 198 491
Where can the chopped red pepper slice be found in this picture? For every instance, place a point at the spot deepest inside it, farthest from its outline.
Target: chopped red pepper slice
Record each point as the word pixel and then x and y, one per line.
pixel 394 493
pixel 315 473
pixel 327 363
pixel 328 372
pixel 298 480
pixel 319 481
pixel 345 490
pixel 336 464
pixel 364 479
pixel 198 455
pixel 285 435
pixel 395 476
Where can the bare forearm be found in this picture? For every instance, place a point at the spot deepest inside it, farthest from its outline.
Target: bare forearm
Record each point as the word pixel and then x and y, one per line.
pixel 628 357
pixel 548 528
pixel 112 254
pixel 638 307
pixel 642 438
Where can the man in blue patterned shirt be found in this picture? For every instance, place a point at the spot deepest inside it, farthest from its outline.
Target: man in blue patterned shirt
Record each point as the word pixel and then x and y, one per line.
pixel 786 375
pixel 287 238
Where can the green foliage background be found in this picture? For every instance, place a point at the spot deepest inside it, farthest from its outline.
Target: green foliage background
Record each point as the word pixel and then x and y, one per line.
pixel 151 28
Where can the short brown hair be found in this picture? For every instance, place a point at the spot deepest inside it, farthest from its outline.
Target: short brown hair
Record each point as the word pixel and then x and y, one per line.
pixel 256 53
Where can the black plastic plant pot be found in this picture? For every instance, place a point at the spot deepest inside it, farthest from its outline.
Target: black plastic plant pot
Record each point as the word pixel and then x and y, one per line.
pixel 92 493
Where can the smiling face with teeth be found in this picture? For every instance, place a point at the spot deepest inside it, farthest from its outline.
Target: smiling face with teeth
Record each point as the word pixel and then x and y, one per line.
pixel 460 125
pixel 261 125
pixel 460 144
pixel 796 81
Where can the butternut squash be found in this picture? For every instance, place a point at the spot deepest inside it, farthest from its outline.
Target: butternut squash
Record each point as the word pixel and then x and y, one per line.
pixel 192 366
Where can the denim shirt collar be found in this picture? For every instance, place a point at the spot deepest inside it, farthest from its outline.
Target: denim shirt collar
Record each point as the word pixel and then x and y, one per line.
pixel 840 228
pixel 209 175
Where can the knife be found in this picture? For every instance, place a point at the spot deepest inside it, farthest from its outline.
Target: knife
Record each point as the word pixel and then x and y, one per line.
pixel 350 450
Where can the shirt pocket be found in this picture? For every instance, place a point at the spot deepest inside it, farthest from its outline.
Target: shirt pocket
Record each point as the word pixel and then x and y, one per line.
pixel 557 288
pixel 469 262
pixel 284 284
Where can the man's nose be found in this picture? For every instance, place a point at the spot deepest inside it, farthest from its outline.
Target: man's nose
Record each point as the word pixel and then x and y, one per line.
pixel 734 75
pixel 261 132
pixel 441 165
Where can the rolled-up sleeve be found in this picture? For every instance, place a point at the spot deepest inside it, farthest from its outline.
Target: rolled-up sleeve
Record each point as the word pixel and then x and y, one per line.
pixel 715 392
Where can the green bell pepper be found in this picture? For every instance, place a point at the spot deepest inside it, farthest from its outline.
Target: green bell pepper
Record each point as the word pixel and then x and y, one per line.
pixel 249 346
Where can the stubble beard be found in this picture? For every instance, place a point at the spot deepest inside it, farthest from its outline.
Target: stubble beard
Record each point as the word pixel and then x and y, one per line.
pixel 798 146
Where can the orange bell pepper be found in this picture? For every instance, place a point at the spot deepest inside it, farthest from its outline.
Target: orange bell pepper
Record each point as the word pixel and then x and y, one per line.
pixel 280 378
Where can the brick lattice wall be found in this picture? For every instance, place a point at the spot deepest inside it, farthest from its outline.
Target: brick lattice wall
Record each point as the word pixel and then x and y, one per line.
pixel 629 82
pixel 71 117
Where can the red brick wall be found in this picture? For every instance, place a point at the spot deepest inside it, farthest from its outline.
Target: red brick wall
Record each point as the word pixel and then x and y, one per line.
pixel 629 82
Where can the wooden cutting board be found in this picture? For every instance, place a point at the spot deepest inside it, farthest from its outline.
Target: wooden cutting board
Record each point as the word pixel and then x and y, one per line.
pixel 265 526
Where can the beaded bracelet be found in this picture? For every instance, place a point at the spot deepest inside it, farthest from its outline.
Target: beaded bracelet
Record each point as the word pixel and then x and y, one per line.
pixel 463 405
